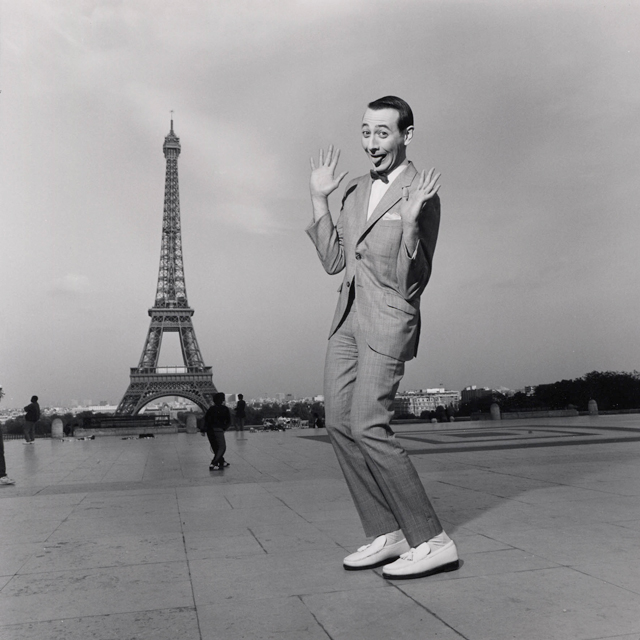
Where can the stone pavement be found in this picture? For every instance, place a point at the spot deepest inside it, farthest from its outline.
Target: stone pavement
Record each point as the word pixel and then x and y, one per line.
pixel 136 539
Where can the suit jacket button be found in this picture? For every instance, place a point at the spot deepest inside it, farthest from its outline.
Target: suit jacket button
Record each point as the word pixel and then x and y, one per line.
pixel 348 284
pixel 358 256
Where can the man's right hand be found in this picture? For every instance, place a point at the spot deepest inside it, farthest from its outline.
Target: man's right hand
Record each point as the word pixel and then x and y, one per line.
pixel 323 180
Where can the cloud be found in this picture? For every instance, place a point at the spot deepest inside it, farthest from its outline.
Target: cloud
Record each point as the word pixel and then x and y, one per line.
pixel 71 284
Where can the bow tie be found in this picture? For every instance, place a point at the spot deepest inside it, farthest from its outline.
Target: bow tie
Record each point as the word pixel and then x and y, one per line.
pixel 379 176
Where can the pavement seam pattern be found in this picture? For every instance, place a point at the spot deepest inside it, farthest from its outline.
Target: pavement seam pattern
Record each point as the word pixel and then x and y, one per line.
pixel 541 532
pixel 188 562
pixel 257 539
pixel 313 615
pixel 431 613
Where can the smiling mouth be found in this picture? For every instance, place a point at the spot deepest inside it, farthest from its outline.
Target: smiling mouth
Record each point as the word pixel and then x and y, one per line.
pixel 377 159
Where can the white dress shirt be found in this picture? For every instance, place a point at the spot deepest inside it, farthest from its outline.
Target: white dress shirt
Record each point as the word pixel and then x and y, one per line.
pixel 379 188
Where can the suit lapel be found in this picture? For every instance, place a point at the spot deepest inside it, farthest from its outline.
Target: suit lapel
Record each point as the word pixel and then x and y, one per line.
pixel 390 198
pixel 363 192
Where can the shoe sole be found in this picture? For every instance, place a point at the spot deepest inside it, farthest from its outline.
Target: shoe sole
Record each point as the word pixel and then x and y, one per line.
pixel 450 566
pixel 380 563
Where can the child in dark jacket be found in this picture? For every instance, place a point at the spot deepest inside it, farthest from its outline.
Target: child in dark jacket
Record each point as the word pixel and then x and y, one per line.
pixel 216 422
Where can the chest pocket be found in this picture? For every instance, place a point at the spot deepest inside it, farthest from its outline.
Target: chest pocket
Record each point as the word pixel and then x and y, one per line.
pixel 385 237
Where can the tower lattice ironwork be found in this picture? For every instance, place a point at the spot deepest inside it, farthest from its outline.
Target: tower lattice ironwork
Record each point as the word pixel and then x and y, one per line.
pixel 170 312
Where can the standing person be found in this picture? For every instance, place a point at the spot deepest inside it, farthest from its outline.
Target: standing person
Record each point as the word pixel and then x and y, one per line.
pixel 318 422
pixel 216 421
pixel 384 240
pixel 31 417
pixel 241 408
pixel 4 478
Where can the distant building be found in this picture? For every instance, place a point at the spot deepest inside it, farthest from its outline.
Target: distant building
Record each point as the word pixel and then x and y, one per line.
pixel 101 408
pixel 474 393
pixel 415 402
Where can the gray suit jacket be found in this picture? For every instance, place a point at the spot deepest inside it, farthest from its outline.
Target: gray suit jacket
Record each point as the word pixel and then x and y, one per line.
pixel 388 280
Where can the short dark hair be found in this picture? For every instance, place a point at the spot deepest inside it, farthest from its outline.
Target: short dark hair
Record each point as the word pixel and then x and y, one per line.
pixel 218 398
pixel 240 396
pixel 34 398
pixel 405 117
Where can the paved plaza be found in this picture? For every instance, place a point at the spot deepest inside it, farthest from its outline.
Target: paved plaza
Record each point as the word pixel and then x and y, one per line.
pixel 136 539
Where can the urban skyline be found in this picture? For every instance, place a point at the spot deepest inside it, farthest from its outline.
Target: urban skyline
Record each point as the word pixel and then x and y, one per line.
pixel 528 110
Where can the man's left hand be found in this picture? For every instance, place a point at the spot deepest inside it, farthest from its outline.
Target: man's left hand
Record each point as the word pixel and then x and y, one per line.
pixel 412 203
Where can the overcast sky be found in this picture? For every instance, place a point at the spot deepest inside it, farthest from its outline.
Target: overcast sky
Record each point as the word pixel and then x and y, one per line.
pixel 530 110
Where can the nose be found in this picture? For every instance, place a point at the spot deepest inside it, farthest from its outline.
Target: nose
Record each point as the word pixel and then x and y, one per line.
pixel 372 143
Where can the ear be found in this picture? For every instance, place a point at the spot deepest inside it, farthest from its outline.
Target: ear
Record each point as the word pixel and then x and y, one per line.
pixel 408 135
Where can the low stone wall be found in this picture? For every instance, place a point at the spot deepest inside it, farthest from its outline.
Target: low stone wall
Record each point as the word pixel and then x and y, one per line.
pixel 564 413
pixel 79 432
pixel 612 412
pixel 525 415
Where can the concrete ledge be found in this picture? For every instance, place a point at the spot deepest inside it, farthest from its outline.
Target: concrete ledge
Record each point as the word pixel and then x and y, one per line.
pixel 563 413
pixel 79 432
pixel 612 412
pixel 525 415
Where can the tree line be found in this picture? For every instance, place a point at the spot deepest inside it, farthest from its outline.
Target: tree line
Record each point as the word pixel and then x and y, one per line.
pixel 612 390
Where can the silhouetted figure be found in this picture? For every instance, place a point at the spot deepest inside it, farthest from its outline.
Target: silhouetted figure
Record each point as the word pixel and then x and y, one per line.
pixel 4 478
pixel 241 408
pixel 216 421
pixel 32 416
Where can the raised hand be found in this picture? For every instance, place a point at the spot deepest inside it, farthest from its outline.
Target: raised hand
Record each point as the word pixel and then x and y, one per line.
pixel 412 202
pixel 323 180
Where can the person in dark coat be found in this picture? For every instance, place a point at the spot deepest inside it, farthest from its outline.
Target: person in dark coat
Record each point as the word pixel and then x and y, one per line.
pixel 216 421
pixel 241 408
pixel 4 478
pixel 32 416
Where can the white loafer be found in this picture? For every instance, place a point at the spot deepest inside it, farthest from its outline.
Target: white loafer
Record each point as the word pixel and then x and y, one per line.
pixel 375 554
pixel 424 560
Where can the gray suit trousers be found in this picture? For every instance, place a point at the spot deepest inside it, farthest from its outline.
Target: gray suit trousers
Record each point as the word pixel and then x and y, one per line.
pixel 360 386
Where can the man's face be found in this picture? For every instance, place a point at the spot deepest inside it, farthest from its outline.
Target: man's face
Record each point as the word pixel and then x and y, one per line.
pixel 382 141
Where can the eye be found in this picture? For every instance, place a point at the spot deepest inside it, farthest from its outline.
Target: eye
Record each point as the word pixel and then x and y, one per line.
pixel 365 134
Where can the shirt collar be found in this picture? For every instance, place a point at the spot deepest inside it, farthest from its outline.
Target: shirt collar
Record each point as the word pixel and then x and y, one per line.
pixel 397 171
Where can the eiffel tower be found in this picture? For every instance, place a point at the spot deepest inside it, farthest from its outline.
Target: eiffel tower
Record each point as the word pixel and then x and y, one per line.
pixel 170 312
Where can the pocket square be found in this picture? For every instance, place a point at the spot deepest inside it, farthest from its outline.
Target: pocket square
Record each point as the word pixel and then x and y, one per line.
pixel 390 215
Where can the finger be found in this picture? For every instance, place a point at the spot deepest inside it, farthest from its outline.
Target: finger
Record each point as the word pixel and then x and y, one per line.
pixel 430 174
pixel 313 164
pixel 432 192
pixel 336 157
pixel 341 176
pixel 329 154
pixel 321 162
pixel 433 180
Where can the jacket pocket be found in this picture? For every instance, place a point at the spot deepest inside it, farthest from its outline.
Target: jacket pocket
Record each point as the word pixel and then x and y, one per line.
pixel 397 302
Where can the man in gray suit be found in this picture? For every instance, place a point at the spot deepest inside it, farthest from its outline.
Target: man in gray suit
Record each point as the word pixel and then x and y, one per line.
pixel 384 240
